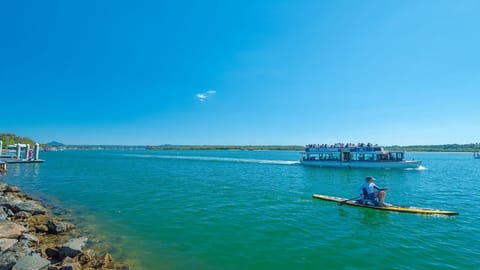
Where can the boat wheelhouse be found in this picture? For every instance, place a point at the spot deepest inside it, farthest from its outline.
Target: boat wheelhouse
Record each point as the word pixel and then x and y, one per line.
pixel 355 156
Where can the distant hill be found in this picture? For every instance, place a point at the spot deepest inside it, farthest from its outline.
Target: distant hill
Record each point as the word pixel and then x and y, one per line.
pixel 54 144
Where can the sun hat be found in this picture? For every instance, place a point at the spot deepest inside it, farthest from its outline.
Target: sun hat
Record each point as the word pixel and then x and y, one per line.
pixel 370 178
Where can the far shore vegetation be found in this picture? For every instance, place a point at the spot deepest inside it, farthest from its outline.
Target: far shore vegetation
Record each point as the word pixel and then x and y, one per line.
pixel 11 138
pixel 472 147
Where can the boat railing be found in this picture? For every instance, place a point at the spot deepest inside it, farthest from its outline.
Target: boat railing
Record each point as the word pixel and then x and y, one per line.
pixel 348 149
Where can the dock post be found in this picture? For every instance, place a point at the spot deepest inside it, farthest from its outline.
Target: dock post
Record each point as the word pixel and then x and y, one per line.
pixel 1 148
pixel 37 151
pixel 18 151
pixel 27 149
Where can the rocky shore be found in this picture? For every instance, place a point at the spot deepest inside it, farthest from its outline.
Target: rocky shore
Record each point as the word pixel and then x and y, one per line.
pixel 31 237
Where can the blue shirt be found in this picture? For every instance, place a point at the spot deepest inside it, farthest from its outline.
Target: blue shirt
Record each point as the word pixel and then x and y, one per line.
pixel 369 187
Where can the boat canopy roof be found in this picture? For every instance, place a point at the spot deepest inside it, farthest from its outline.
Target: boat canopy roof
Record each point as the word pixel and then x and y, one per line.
pixel 13 146
pixel 360 147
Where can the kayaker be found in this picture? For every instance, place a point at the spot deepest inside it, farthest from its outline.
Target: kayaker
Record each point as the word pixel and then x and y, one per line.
pixel 369 191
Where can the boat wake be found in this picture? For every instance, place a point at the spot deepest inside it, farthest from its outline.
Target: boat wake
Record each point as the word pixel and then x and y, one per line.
pixel 221 159
pixel 420 168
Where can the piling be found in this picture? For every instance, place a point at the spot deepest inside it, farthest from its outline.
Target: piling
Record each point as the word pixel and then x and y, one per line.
pixel 36 149
pixel 27 150
pixel 19 148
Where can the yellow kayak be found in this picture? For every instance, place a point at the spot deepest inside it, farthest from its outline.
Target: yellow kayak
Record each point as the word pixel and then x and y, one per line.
pixel 394 208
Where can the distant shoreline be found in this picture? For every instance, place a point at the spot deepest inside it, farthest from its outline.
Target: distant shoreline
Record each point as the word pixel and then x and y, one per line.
pixel 473 147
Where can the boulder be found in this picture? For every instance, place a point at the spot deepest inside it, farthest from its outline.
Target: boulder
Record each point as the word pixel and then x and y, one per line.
pixel 57 227
pixel 73 247
pixel 31 262
pixel 6 243
pixel 7 260
pixel 52 252
pixel 11 230
pixel 3 186
pixel 31 207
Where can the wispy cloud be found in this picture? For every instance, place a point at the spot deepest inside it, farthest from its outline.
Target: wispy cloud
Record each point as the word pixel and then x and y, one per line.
pixel 203 96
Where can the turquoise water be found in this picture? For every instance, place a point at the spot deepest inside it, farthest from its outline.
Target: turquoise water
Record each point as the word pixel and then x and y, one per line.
pixel 253 209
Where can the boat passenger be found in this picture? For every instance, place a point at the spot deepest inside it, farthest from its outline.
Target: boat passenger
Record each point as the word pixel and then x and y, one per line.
pixel 370 192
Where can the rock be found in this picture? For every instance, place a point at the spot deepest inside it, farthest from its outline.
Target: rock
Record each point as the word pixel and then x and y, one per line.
pixel 57 227
pixel 29 239
pixel 12 189
pixel 73 247
pixel 68 260
pixel 3 187
pixel 11 230
pixel 38 220
pixel 41 228
pixel 86 256
pixel 11 198
pixel 3 214
pixel 27 228
pixel 6 243
pixel 7 260
pixel 107 261
pixel 23 215
pixel 10 213
pixel 71 266
pixel 52 253
pixel 32 262
pixel 32 207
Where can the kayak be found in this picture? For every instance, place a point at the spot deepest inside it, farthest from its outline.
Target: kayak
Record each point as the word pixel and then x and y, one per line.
pixel 394 208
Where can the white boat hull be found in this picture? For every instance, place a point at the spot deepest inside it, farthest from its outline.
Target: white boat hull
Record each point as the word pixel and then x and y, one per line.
pixel 404 164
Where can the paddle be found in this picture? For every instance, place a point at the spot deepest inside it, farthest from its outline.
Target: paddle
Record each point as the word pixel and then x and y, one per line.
pixel 343 202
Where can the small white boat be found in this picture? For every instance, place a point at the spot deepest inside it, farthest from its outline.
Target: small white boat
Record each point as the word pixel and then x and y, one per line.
pixel 355 156
pixel 476 155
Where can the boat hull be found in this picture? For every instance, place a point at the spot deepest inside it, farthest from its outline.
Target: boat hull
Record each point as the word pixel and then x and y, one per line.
pixel 404 164
pixel 393 208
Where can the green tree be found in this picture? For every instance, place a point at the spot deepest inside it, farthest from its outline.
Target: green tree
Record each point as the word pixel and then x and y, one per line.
pixel 11 138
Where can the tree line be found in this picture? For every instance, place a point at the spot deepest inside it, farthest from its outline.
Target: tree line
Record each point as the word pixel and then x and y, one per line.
pixel 470 147
pixel 225 147
pixel 11 138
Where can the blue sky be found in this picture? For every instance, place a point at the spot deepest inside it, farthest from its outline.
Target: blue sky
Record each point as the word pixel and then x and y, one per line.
pixel 241 72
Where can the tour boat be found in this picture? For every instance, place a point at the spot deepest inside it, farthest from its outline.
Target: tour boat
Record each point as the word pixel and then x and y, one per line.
pixel 355 156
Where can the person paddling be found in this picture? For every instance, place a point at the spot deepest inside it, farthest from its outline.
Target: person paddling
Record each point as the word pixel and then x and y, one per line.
pixel 370 192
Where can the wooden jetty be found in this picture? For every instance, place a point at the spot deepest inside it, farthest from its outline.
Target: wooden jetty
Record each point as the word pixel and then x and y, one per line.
pixel 28 157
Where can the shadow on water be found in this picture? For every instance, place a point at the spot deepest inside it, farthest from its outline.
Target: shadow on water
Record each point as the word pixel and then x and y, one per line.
pixel 370 217
pixel 364 216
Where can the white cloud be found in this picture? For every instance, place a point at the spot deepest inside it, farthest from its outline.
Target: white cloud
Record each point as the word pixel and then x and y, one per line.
pixel 211 92
pixel 203 96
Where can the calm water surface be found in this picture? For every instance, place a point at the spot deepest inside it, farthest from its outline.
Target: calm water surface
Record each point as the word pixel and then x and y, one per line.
pixel 253 209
